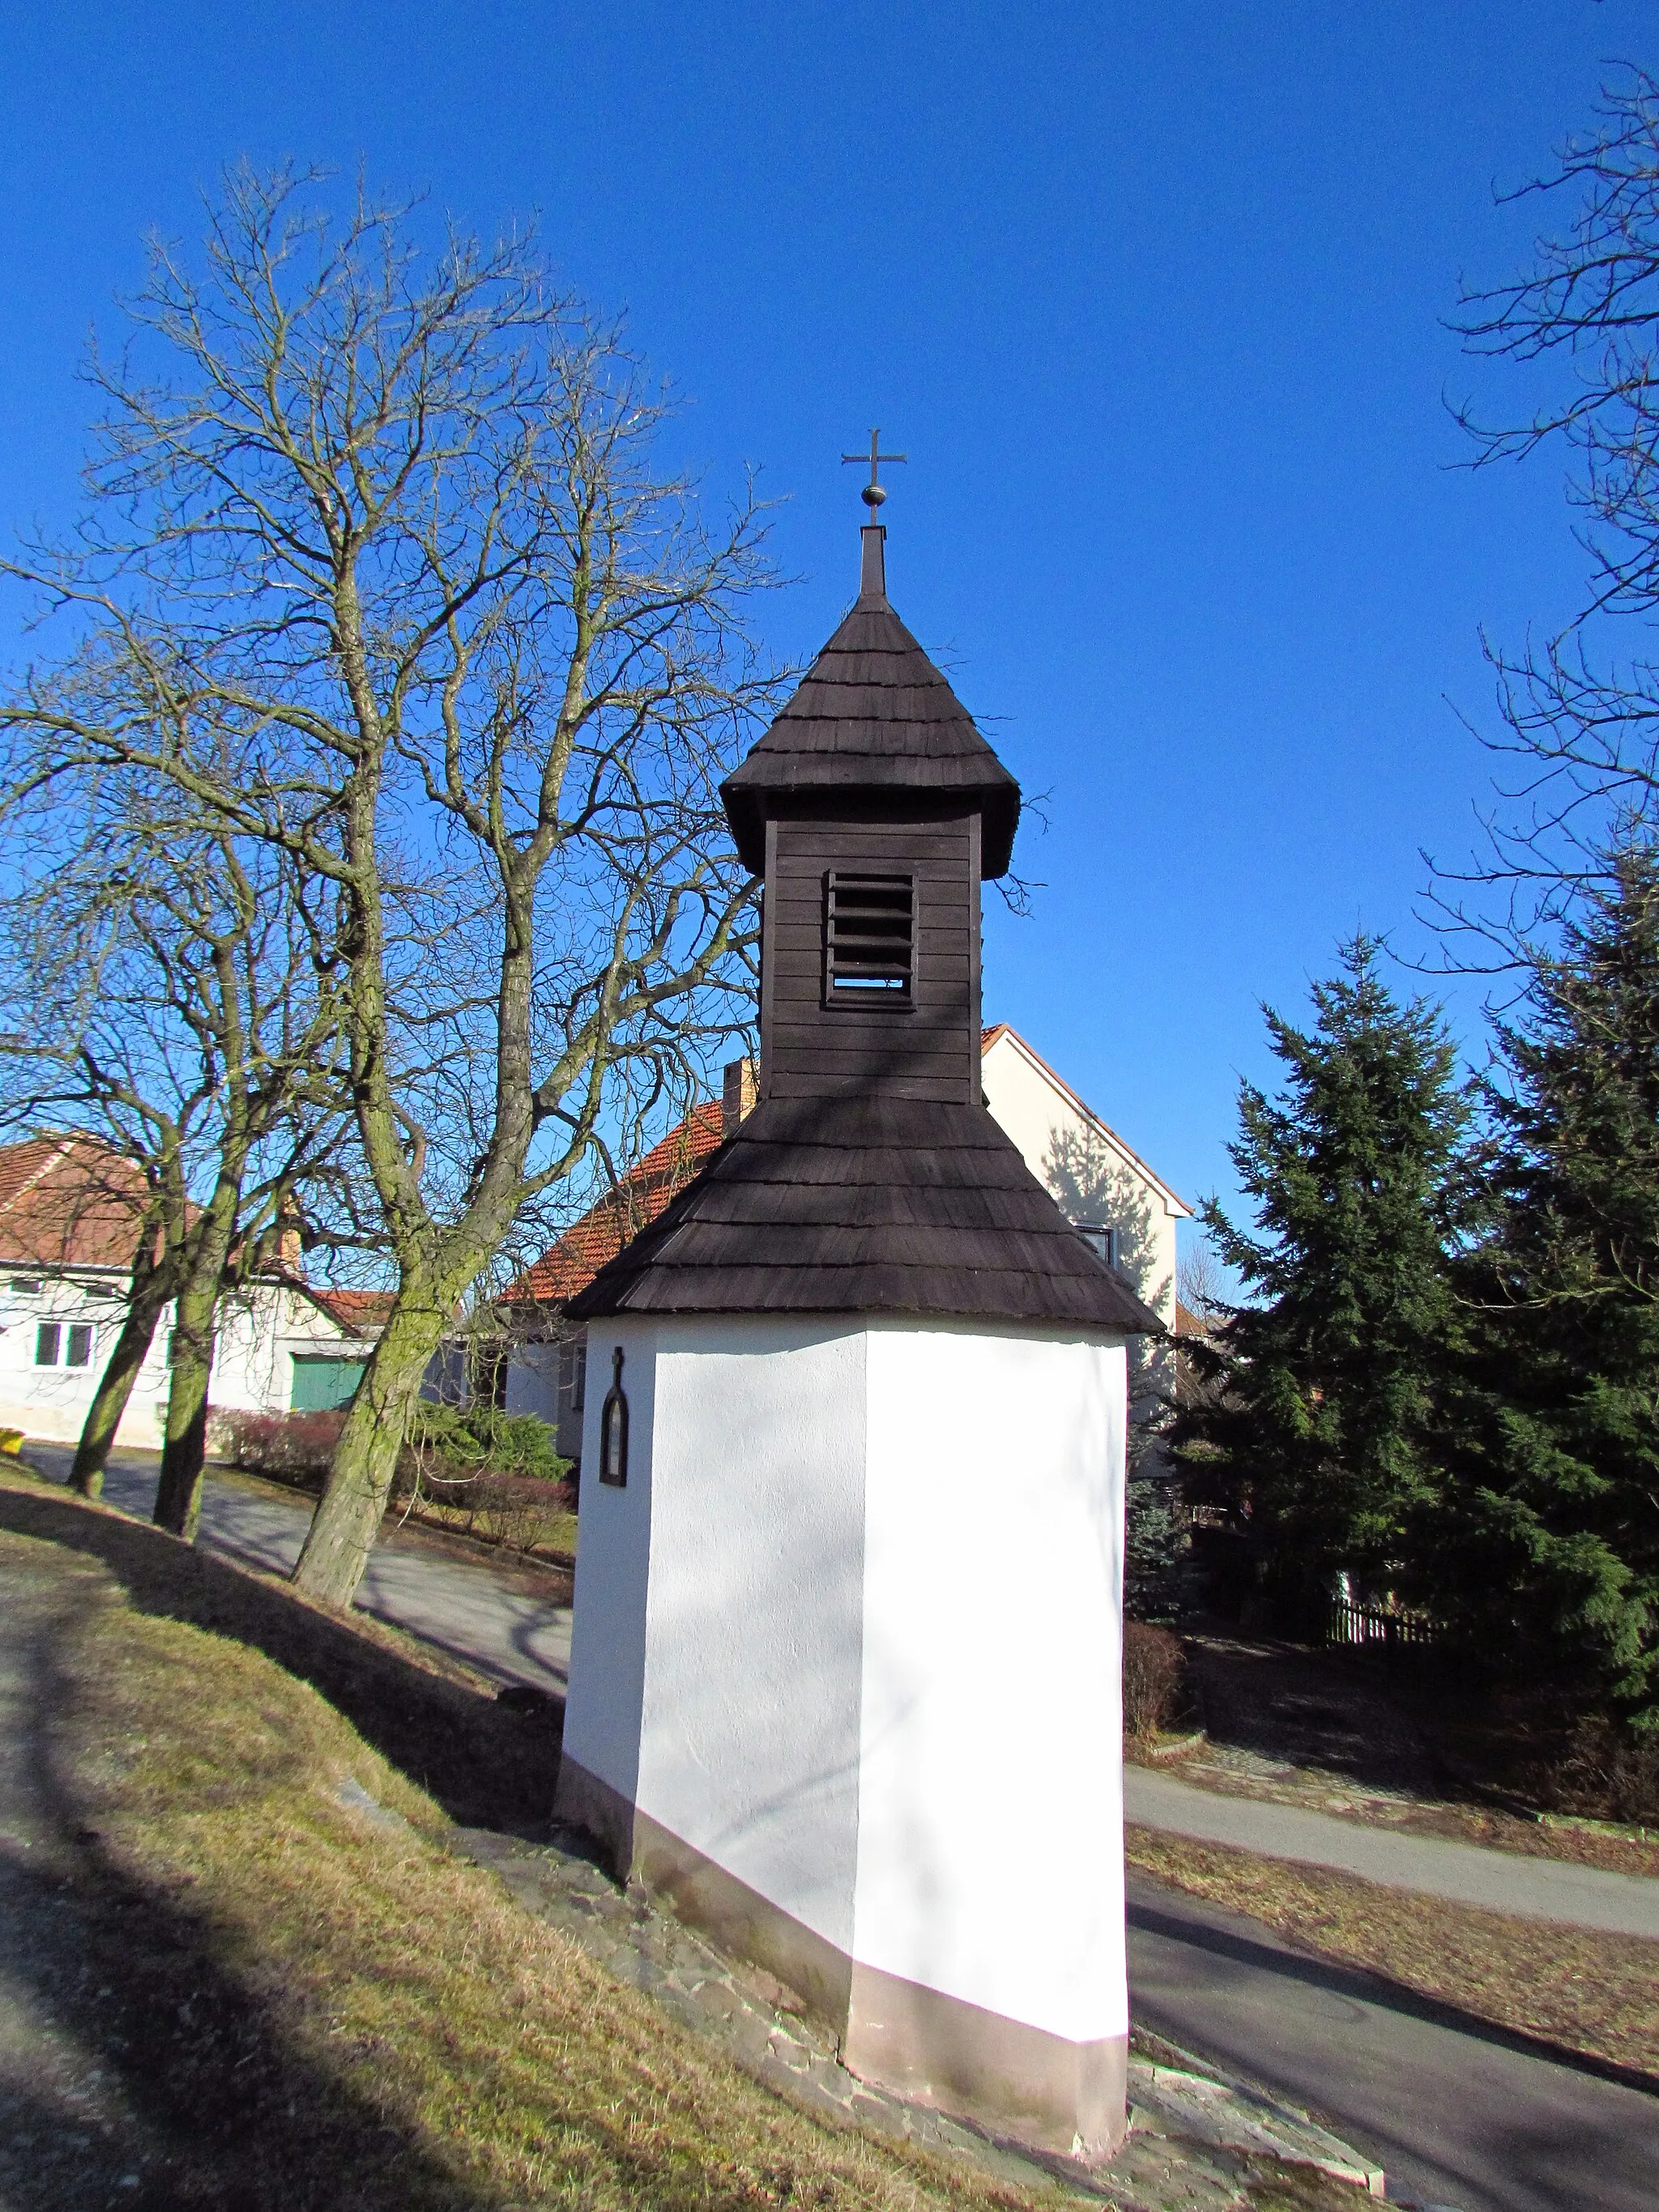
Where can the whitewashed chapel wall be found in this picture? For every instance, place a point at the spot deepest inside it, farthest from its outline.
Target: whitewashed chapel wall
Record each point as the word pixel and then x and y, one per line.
pixel 992 1674
pixel 744 1514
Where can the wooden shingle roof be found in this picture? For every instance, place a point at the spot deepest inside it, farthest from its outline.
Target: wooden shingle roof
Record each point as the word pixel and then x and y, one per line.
pixel 872 713
pixel 867 1205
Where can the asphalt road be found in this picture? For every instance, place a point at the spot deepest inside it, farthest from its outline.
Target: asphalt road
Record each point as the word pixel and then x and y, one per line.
pixel 1454 2111
pixel 510 1632
pixel 1457 2113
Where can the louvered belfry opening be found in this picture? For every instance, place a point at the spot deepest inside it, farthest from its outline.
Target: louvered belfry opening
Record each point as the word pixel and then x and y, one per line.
pixel 869 936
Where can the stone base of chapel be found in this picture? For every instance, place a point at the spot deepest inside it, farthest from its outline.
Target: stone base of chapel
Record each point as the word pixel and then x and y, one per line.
pixel 1014 2081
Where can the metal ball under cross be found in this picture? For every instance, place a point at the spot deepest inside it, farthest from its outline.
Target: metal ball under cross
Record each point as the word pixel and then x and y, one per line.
pixel 874 492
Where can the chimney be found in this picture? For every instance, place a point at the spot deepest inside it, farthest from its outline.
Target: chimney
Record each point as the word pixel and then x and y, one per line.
pixel 737 1098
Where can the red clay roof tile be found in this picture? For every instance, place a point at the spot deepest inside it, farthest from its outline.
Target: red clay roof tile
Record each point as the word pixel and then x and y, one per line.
pixel 68 1201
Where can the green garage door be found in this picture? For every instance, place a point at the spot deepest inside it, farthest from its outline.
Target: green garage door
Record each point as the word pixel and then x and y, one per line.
pixel 320 1385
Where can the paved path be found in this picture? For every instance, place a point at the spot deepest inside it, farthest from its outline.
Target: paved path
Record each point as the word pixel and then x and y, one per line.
pixel 1457 2113
pixel 511 1634
pixel 1468 1874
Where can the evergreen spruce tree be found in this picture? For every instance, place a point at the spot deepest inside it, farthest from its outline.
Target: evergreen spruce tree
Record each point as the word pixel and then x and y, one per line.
pixel 1156 1550
pixel 1322 1434
pixel 1549 1546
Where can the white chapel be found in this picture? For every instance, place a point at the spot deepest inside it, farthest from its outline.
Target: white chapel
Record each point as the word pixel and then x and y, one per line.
pixel 809 1701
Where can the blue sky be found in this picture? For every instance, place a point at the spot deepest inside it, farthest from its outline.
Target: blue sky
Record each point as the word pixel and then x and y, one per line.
pixel 1152 295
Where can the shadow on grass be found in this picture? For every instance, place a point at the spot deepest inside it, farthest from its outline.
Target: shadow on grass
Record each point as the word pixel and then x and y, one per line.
pixel 489 1763
pixel 149 2057
pixel 144 2071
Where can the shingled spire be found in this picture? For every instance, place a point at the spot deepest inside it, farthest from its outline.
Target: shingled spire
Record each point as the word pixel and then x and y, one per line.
pixel 873 716
pixel 870 1178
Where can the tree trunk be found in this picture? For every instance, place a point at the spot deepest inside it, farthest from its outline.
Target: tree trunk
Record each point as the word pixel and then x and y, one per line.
pixel 184 1448
pixel 114 1388
pixel 348 1519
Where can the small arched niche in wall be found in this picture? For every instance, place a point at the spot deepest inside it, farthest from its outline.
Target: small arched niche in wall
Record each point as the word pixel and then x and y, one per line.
pixel 613 1428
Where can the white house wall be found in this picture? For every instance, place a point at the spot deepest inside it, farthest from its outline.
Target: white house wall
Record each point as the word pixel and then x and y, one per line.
pixel 253 1367
pixel 532 1381
pixel 606 1702
pixel 52 1401
pixel 1093 1176
pixel 847 1652
pixel 743 1512
pixel 1089 1172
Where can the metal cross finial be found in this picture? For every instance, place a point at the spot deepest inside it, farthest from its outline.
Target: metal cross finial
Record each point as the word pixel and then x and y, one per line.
pixel 873 494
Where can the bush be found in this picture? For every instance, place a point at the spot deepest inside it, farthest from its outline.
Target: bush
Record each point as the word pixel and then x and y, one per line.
pixel 472 1469
pixel 484 1474
pixel 1154 1680
pixel 467 1438
pixel 1610 1773
pixel 1158 1550
pixel 521 1512
pixel 295 1448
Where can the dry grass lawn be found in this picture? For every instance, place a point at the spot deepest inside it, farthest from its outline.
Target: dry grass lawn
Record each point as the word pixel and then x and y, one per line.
pixel 313 2010
pixel 260 1997
pixel 1589 1992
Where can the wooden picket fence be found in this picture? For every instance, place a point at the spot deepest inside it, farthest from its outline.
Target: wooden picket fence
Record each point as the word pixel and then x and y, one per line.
pixel 1362 1624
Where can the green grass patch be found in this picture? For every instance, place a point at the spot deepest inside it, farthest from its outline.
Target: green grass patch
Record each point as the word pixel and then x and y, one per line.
pixel 277 2001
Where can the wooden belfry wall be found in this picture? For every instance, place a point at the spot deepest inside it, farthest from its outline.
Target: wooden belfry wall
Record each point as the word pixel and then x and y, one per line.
pixel 924 1046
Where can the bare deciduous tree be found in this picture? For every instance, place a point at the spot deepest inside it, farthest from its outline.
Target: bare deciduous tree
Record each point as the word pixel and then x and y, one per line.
pixel 165 1001
pixel 1579 711
pixel 390 526
pixel 1200 1284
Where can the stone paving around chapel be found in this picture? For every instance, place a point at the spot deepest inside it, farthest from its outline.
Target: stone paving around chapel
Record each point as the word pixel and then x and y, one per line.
pixel 1197 2142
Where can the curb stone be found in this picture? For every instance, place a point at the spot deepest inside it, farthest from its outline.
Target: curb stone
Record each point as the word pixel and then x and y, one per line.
pixel 1197 2141
pixel 351 1794
pixel 1171 1750
pixel 1200 2101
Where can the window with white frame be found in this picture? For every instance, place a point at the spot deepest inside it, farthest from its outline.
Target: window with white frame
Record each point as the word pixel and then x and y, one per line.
pixel 58 1345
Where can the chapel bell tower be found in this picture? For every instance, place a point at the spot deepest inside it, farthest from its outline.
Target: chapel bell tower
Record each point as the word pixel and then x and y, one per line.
pixel 848 1644
pixel 873 809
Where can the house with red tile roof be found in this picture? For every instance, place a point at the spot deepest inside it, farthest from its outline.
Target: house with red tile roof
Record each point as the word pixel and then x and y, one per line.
pixel 71 1212
pixel 1100 1182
